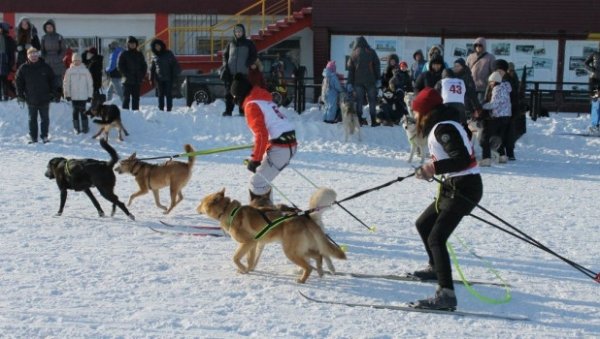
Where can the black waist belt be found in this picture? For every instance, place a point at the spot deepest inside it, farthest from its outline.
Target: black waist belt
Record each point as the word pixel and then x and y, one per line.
pixel 285 138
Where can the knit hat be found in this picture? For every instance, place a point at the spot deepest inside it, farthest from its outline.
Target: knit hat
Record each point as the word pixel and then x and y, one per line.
pixel 240 87
pixel 427 99
pixel 461 62
pixel 501 64
pixel 403 64
pixel 495 77
pixel 331 66
pixel 76 57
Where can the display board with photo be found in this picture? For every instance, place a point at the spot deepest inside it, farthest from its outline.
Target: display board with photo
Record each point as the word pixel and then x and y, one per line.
pixel 576 52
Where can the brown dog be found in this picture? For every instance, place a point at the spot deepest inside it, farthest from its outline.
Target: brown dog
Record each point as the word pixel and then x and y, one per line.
pixel 301 237
pixel 110 116
pixel 151 177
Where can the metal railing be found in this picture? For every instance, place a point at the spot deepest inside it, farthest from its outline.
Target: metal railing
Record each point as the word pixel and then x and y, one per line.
pixel 569 96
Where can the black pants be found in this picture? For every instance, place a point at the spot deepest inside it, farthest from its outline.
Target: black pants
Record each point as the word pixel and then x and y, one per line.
pixel 594 85
pixel 4 87
pixel 131 92
pixel 493 128
pixel 229 104
pixel 79 114
pixel 165 90
pixel 43 111
pixel 440 219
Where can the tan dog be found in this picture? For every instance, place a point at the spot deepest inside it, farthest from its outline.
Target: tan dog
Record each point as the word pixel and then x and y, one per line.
pixel 301 237
pixel 349 116
pixel 151 177
pixel 110 116
pixel 418 144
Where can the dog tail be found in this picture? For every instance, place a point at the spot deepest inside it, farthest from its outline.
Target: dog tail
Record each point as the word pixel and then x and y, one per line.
pixel 114 157
pixel 325 245
pixel 322 198
pixel 192 158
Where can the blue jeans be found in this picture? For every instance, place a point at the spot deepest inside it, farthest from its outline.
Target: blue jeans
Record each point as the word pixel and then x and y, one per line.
pixel 596 112
pixel 115 87
pixel 371 93
pixel 43 112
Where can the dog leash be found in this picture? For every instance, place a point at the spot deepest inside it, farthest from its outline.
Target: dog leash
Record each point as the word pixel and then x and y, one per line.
pixel 201 152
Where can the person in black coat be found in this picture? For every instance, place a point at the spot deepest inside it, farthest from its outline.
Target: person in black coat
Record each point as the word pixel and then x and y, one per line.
pixel 26 36
pixel 163 73
pixel 431 77
pixel 238 57
pixel 461 189
pixel 133 68
pixel 8 48
pixel 93 61
pixel 392 64
pixel 35 85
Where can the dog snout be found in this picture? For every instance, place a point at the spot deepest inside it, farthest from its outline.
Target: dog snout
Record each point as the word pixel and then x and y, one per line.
pixel 118 169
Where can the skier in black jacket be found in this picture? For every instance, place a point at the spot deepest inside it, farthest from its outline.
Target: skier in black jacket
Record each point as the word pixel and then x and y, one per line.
pixel 453 158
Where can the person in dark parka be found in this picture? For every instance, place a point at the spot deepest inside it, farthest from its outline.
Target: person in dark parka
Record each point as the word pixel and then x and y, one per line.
pixel 164 71
pixel 133 67
pixel 53 52
pixel 26 36
pixel 93 61
pixel 363 74
pixel 238 57
pixel 8 48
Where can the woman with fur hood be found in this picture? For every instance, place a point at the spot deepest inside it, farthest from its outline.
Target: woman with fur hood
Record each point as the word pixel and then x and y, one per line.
pixel 163 73
pixel 78 88
pixel 435 50
pixel 27 37
pixel 53 52
pixel 330 92
pixel 8 47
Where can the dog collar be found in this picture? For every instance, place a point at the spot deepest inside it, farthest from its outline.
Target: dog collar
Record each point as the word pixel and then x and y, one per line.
pixel 232 216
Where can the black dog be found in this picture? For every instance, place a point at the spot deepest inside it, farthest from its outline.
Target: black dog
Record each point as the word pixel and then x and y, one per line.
pixel 81 174
pixel 110 116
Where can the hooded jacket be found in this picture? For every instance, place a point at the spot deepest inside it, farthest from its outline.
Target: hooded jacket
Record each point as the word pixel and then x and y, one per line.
pixel 132 64
pixel 78 83
pixel 25 39
pixel 363 64
pixel 165 66
pixel 239 54
pixel 7 54
pixel 481 65
pixel 53 50
pixel 430 78
pixel 94 65
pixel 417 67
pixel 389 70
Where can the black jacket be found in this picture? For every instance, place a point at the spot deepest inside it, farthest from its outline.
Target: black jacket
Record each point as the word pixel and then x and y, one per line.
pixel 165 66
pixel 133 66
pixel 35 83
pixel 94 65
pixel 7 60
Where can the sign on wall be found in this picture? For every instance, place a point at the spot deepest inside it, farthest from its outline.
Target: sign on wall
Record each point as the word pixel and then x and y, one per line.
pixel 576 52
pixel 404 47
pixel 540 56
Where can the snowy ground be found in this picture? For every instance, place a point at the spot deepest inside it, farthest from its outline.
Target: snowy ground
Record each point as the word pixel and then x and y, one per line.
pixel 83 276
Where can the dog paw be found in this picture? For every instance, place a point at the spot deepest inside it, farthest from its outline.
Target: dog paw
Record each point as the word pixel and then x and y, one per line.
pixel 301 281
pixel 241 271
pixel 131 217
pixel 101 214
pixel 58 214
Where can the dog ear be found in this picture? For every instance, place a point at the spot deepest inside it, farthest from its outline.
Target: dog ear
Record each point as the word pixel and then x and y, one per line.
pixel 222 192
pixel 133 156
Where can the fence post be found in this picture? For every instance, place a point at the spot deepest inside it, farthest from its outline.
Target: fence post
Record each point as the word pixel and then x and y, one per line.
pixel 535 101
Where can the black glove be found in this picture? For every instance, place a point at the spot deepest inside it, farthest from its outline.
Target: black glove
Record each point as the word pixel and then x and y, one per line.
pixel 89 100
pixel 21 99
pixel 68 98
pixel 252 165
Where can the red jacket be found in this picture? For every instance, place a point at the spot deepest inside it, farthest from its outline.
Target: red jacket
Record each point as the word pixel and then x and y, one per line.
pixel 265 121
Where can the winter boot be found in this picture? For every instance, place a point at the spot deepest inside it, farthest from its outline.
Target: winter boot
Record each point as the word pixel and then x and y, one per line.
pixel 85 125
pixel 444 299
pixel 76 127
pixel 261 200
pixel 427 273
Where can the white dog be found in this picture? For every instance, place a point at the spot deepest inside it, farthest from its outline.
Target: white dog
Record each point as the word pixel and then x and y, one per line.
pixel 408 100
pixel 349 116
pixel 418 144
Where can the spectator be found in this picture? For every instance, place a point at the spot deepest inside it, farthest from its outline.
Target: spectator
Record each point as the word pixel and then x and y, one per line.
pixel 435 50
pixel 255 75
pixel 35 85
pixel 431 77
pixel 472 104
pixel 495 127
pixel 508 138
pixel 68 58
pixel 53 52
pixel 392 64
pixel 363 73
pixel 417 67
pixel 594 128
pixel 27 36
pixel 518 115
pixel 592 65
pixel 238 57
pixel 93 61
pixel 164 72
pixel 401 79
pixel 113 73
pixel 330 92
pixel 274 136
pixel 78 88
pixel 133 67
pixel 8 48
pixel 481 64
pixel 453 89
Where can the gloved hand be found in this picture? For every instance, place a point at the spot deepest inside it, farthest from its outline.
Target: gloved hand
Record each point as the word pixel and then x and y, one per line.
pixel 252 165
pixel 426 171
pixel 68 98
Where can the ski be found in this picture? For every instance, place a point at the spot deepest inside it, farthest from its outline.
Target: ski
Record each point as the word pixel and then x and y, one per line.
pixel 418 310
pixel 184 233
pixel 190 226
pixel 412 278
pixel 587 135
